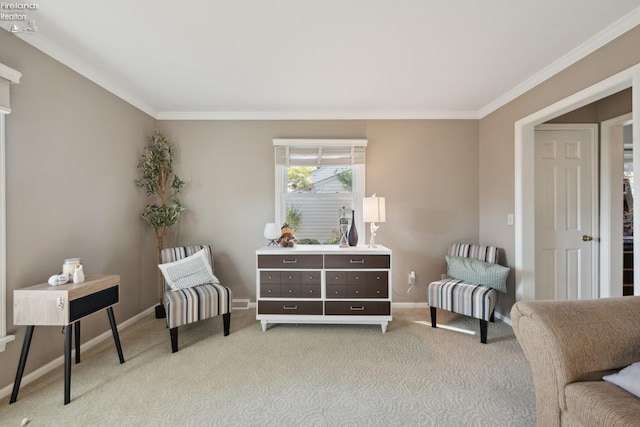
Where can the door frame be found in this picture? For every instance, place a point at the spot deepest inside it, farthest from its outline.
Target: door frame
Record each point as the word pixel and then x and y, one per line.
pixel 611 215
pixel 524 171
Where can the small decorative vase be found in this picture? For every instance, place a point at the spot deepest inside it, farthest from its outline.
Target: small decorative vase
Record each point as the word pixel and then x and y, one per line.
pixel 353 232
pixel 78 274
pixel 344 229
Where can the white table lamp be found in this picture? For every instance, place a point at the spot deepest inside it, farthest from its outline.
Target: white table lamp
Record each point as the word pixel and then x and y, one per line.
pixel 272 232
pixel 373 211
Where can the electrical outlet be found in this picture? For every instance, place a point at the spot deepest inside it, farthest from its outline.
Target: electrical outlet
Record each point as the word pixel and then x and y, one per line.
pixel 412 277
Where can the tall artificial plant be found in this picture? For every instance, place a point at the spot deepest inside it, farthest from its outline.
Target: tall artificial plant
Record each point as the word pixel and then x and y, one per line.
pixel 160 183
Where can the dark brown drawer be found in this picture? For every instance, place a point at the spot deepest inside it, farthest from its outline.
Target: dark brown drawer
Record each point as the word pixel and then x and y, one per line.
pixel 310 291
pixel 357 291
pixel 358 308
pixel 290 261
pixel 269 290
pixel 378 290
pixel 357 261
pixel 269 277
pixel 290 291
pixel 290 307
pixel 310 277
pixel 336 291
pixel 357 277
pixel 336 277
pixel 289 277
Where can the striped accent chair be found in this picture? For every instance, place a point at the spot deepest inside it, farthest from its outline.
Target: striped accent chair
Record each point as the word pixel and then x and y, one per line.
pixel 191 305
pixel 462 297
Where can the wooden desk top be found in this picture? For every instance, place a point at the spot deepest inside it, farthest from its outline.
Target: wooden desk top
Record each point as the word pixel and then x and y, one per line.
pixel 39 304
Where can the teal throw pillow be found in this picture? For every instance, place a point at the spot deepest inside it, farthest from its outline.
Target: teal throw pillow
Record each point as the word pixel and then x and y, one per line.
pixel 480 272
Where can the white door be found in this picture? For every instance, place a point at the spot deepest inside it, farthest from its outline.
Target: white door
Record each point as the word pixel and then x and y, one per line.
pixel 566 214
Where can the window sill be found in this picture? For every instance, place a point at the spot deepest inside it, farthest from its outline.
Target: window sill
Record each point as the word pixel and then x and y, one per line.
pixel 5 340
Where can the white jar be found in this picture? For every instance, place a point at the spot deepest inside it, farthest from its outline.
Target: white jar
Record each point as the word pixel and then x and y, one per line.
pixel 69 266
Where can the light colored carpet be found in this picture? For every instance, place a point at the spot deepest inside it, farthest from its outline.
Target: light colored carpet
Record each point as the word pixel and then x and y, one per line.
pixel 292 375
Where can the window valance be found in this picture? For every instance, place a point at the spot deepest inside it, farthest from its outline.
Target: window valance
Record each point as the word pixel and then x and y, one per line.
pixel 319 152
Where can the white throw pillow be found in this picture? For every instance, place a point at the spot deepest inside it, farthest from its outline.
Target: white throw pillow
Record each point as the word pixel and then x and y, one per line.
pixel 188 272
pixel 628 378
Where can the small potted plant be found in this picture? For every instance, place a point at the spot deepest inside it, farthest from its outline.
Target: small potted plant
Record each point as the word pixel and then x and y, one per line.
pixel 159 182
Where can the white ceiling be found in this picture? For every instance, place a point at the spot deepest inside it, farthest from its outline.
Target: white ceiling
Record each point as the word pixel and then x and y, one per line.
pixel 281 59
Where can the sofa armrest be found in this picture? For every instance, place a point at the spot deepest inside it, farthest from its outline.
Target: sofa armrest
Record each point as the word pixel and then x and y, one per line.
pixel 569 341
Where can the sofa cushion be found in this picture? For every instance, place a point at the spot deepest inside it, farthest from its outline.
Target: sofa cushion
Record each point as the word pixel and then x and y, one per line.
pixel 599 403
pixel 479 272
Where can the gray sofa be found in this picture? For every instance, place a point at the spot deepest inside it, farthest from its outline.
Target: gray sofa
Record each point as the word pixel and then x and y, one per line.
pixel 570 346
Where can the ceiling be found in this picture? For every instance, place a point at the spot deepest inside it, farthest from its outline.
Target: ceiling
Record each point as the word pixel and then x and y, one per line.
pixel 316 59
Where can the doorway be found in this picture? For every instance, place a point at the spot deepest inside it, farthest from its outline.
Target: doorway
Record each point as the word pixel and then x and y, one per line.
pixel 524 172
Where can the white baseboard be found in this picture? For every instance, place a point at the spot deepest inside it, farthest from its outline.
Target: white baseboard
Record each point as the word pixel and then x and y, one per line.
pixel 31 377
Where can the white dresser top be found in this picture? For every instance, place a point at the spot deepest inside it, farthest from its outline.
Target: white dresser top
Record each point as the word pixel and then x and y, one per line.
pixel 323 249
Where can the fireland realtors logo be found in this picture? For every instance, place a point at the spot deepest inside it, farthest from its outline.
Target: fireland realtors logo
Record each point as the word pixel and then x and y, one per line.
pixel 18 12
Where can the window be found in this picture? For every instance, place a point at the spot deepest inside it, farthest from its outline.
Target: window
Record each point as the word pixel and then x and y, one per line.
pixel 7 76
pixel 315 180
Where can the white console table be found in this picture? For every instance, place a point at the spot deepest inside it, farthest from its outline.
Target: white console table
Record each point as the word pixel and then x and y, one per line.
pixel 324 284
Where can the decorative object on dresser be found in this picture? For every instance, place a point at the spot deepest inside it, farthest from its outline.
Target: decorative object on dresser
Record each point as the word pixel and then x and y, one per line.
pixel 64 305
pixel 191 290
pixel 373 210
pixel 159 182
pixel 474 277
pixel 324 284
pixel 353 231
pixel 271 233
pixel 344 228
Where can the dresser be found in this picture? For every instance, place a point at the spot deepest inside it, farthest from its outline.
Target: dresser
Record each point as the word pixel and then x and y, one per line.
pixel 323 284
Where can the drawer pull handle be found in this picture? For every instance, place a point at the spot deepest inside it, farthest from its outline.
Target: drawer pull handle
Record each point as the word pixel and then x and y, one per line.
pixel 290 290
pixel 356 261
pixel 289 261
pixel 290 277
pixel 290 307
pixel 352 308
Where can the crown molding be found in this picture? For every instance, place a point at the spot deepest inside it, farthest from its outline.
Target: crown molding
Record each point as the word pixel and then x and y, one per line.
pixel 610 33
pixel 311 115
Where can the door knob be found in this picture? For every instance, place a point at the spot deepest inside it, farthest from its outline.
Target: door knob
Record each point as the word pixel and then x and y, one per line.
pixel 586 238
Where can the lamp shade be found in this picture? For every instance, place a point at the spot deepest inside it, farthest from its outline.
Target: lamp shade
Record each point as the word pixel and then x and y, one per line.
pixel 373 209
pixel 271 231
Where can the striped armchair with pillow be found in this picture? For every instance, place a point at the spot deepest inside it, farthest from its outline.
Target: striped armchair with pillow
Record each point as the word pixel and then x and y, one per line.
pixel 191 291
pixel 471 288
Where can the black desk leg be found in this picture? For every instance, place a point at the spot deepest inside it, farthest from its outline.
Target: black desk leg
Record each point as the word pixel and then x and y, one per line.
pixel 114 329
pixel 77 339
pixel 67 363
pixel 23 361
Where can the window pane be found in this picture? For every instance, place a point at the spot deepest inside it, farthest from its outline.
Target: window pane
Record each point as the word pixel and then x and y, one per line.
pixel 314 200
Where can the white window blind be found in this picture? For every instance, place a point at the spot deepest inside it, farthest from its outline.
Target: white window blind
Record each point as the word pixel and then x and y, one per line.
pixel 319 152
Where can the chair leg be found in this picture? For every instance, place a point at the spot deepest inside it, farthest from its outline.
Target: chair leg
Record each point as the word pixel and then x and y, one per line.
pixel 433 316
pixel 226 320
pixel 483 331
pixel 492 319
pixel 174 339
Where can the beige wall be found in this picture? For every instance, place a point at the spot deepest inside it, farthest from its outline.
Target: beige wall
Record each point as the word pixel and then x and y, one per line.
pixel 426 169
pixel 71 155
pixel 497 138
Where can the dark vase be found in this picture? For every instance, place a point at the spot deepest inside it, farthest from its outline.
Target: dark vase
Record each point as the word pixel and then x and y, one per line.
pixel 353 232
